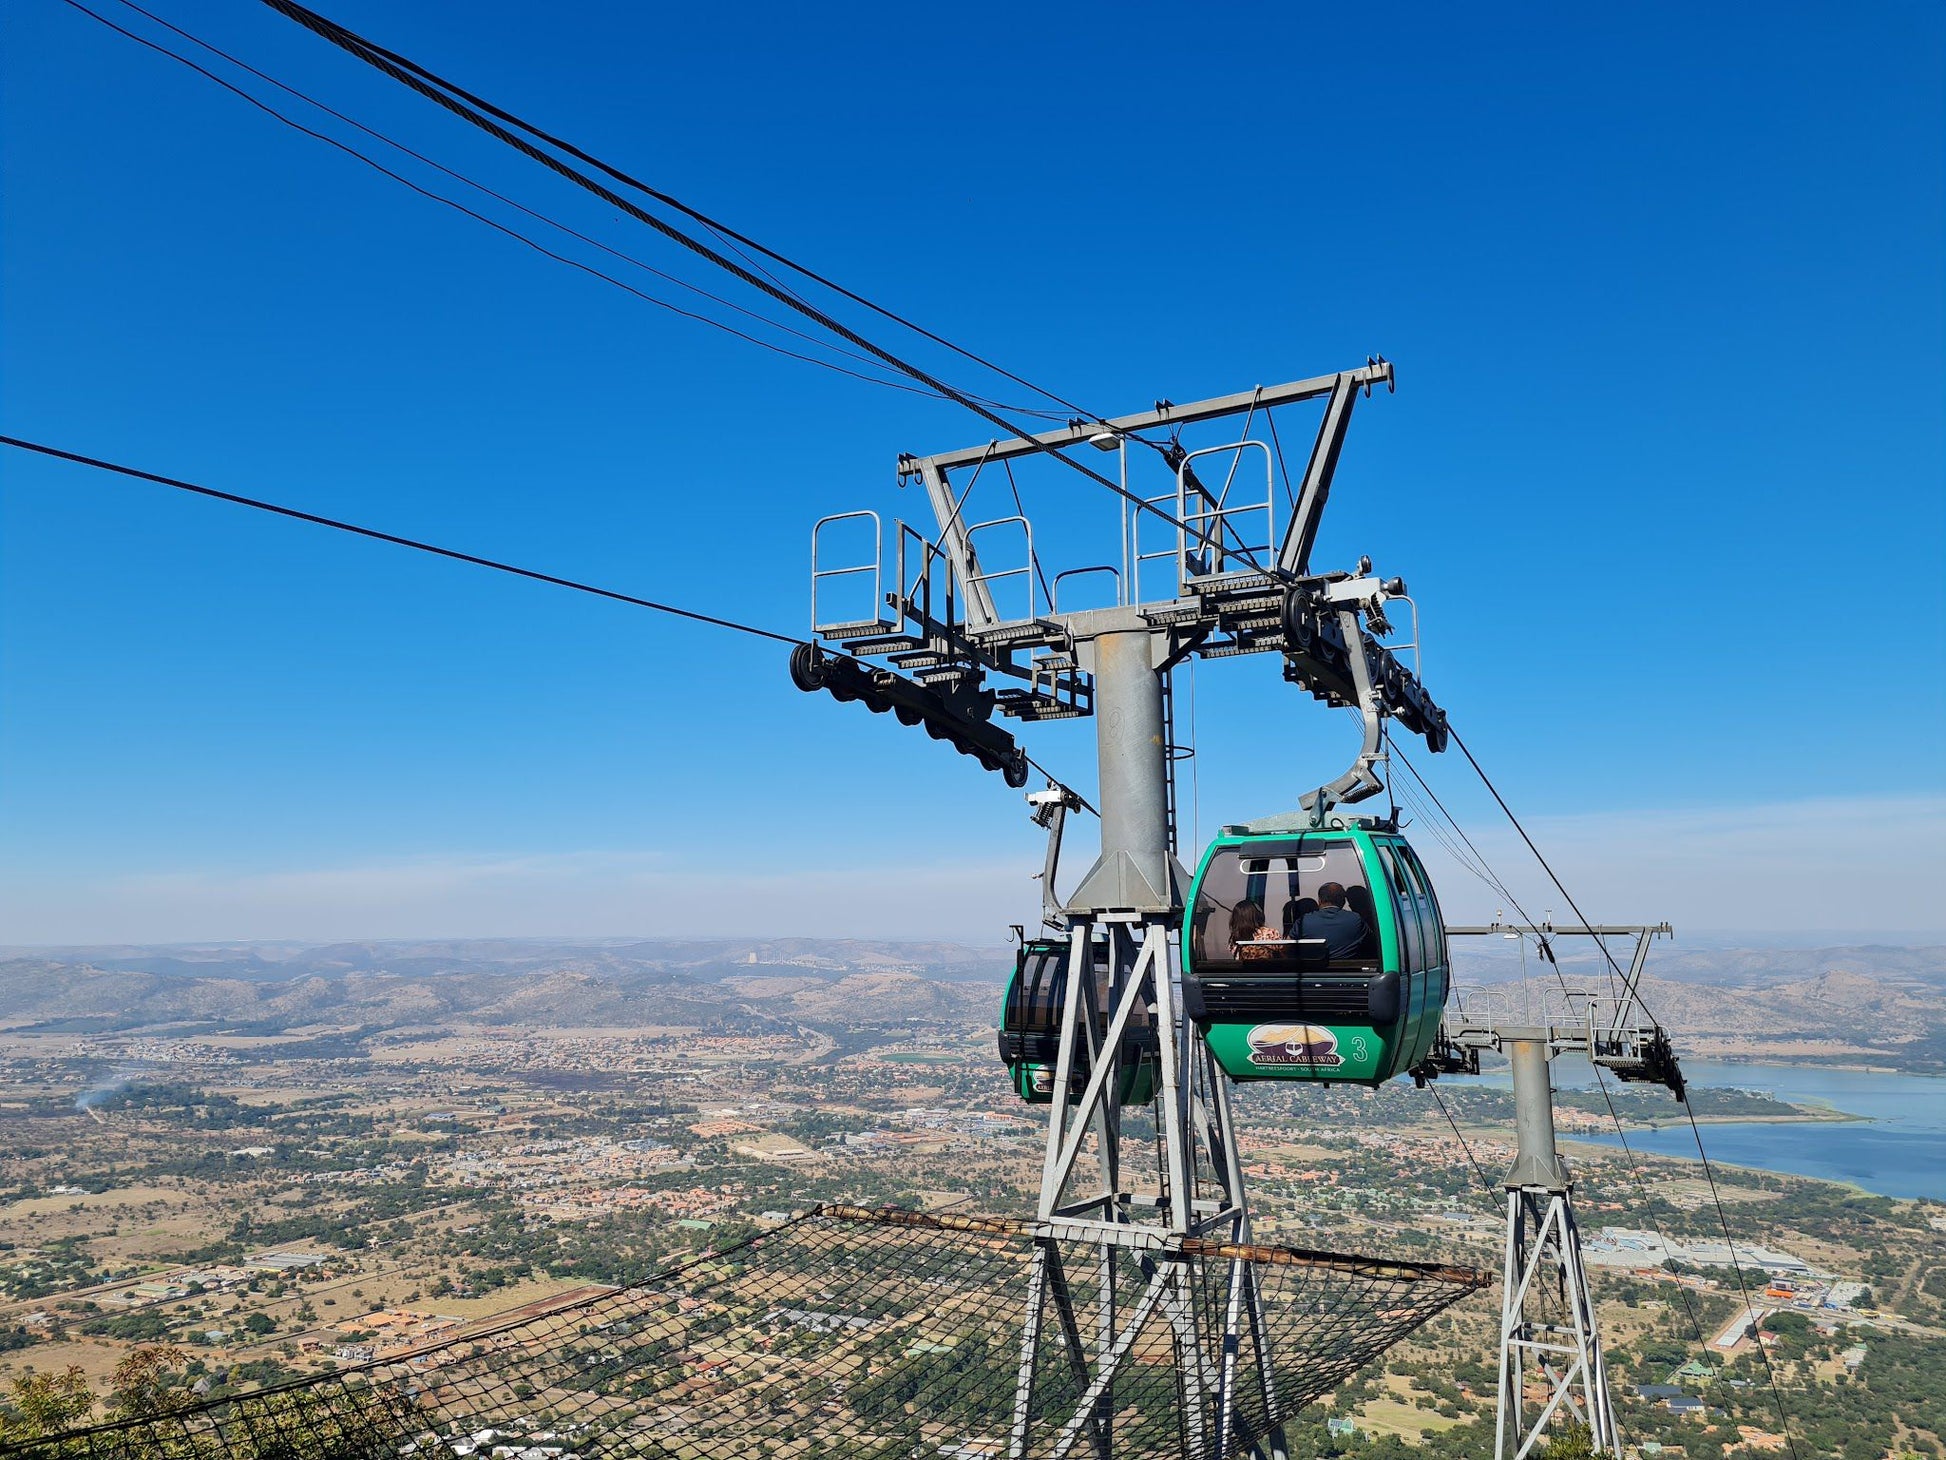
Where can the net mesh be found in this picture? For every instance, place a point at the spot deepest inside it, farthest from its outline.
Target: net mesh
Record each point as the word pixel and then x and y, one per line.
pixel 848 1334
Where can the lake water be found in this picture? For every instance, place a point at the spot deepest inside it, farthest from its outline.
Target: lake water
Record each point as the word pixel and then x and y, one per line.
pixel 1898 1149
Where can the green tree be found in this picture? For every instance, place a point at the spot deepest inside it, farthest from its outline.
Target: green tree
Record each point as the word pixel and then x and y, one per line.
pixel 147 1383
pixel 40 1405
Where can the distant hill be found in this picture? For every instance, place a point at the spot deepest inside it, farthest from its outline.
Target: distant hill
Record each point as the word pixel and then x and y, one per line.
pixel 278 963
pixel 1834 1017
pixel 1867 1004
pixel 375 986
pixel 1918 968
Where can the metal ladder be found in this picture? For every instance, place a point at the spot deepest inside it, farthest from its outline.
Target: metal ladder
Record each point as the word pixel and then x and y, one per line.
pixel 1172 753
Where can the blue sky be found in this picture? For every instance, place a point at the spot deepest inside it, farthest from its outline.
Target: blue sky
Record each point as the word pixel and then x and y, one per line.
pixel 1664 469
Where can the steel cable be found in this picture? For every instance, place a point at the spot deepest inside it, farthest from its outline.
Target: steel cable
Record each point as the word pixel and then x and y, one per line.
pixel 332 31
pixel 500 227
pixel 482 114
pixel 315 519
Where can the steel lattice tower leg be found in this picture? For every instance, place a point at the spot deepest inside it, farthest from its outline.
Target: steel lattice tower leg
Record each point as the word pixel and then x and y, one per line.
pixel 1548 1329
pixel 1132 900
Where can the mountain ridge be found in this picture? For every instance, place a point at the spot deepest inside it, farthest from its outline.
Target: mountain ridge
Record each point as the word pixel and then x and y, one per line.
pixel 1730 1002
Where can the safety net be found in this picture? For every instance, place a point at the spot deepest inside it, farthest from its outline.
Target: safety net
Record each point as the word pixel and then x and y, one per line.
pixel 852 1334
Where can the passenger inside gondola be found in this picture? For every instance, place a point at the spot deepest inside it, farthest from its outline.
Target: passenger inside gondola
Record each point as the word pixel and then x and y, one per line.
pixel 1342 929
pixel 1250 940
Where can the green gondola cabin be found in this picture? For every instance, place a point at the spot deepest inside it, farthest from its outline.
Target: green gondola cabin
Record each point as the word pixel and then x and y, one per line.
pixel 1030 1027
pixel 1314 953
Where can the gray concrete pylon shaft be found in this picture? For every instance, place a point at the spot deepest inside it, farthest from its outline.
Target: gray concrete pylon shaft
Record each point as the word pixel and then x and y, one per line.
pixel 1136 871
pixel 1537 1161
pixel 1129 740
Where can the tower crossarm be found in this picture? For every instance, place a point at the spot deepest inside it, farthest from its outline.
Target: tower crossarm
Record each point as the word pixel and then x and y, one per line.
pixel 1165 415
pixel 1599 1018
pixel 970 596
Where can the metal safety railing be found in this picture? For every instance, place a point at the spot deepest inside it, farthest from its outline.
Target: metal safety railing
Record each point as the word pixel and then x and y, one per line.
pixel 820 574
pixel 1583 1011
pixel 1054 588
pixel 1411 643
pixel 1025 571
pixel 1198 511
pixel 1171 553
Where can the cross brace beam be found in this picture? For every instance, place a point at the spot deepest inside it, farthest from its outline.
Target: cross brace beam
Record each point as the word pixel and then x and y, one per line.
pixel 1165 414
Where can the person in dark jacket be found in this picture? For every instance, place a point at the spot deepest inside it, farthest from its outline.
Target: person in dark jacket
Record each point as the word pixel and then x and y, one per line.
pixel 1294 912
pixel 1342 929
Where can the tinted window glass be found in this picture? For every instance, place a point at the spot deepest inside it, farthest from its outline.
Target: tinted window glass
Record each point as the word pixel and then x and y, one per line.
pixel 1252 898
pixel 1434 920
pixel 1040 991
pixel 1411 945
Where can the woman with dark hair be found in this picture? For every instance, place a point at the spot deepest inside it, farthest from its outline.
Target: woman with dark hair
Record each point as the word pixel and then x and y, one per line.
pixel 1247 931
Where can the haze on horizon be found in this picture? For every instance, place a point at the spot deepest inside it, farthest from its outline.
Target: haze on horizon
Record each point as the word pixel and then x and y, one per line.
pixel 1709 874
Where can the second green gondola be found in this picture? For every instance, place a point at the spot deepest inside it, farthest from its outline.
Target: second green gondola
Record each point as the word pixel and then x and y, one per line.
pixel 1030 1028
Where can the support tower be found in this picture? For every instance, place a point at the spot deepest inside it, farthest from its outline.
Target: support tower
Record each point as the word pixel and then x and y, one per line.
pixel 1203 568
pixel 1550 1361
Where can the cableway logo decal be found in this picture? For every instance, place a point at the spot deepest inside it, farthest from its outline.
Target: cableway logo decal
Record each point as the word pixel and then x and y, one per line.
pixel 1294 1044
